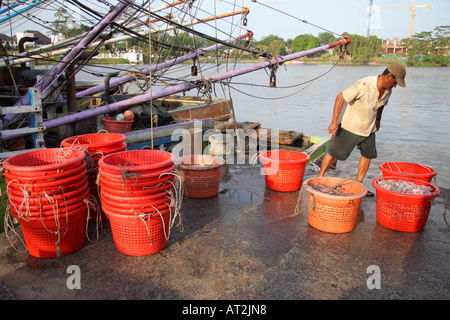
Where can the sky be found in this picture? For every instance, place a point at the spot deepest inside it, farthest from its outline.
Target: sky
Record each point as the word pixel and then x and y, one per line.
pixel 390 19
pixel 349 16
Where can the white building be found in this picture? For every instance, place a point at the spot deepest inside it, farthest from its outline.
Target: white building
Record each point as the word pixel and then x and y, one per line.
pixel 55 38
pixel 134 55
pixel 40 41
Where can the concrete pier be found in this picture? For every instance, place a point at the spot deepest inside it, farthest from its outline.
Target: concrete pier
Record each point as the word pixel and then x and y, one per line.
pixel 246 243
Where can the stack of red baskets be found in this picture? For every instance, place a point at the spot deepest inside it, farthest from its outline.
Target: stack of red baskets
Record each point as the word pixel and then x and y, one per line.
pixel 402 211
pixel 46 190
pixel 136 190
pixel 96 145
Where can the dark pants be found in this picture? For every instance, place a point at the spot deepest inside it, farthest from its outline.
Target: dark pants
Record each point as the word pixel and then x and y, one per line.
pixel 344 142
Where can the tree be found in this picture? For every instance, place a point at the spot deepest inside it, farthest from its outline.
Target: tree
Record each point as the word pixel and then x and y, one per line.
pixel 429 47
pixel 276 48
pixel 304 42
pixel 363 49
pixel 326 38
pixel 265 41
pixel 272 44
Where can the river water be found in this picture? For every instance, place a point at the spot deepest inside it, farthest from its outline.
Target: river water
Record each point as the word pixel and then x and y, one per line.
pixel 415 125
pixel 414 128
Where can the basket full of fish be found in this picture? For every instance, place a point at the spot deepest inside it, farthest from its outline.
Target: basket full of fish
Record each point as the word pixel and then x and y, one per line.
pixel 333 203
pixel 403 204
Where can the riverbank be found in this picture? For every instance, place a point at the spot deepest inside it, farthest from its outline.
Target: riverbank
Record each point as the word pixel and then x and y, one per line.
pixel 347 61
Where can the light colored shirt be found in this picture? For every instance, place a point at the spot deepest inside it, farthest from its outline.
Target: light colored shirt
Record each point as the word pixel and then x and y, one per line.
pixel 361 112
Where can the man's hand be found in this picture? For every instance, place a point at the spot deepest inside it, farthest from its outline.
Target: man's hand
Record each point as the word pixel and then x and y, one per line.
pixel 333 127
pixel 377 124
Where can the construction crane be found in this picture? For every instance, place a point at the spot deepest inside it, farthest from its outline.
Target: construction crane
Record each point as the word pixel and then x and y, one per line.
pixel 413 12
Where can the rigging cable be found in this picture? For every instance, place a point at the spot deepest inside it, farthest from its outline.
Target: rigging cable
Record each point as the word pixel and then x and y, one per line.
pixel 296 18
pixel 200 34
pixel 307 83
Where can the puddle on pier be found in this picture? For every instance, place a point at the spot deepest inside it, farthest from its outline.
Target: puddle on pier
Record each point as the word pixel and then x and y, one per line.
pixel 241 196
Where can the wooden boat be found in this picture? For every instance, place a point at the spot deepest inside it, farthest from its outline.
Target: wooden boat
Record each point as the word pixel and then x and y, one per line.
pixel 187 108
pixel 297 62
pixel 316 147
pixel 65 112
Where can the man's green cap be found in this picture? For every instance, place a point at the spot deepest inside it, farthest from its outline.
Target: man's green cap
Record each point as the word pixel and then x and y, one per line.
pixel 399 71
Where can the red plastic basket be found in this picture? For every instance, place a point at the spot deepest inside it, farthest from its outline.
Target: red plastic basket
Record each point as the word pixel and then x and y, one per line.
pixel 120 190
pixel 114 126
pixel 136 176
pixel 135 200
pixel 201 175
pixel 130 210
pixel 97 145
pixel 43 206
pixel 408 170
pixel 401 211
pixel 49 186
pixel 34 190
pixel 39 176
pixel 334 213
pixel 139 236
pixel 42 235
pixel 143 161
pixel 41 161
pixel 95 141
pixel 284 169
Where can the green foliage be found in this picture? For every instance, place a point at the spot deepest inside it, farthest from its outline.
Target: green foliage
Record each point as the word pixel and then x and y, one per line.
pixel 363 49
pixel 266 41
pixel 272 44
pixel 425 48
pixel 326 38
pixel 304 42
pixel 429 47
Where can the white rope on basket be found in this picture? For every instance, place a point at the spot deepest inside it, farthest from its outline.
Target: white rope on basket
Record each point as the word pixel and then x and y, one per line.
pixel 176 198
pixel 24 202
pixel 8 225
pixel 124 174
pixel 57 222
pixel 175 203
pixel 92 203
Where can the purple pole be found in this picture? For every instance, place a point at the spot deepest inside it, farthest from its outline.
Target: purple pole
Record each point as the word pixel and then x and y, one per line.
pixel 178 88
pixel 72 56
pixel 155 68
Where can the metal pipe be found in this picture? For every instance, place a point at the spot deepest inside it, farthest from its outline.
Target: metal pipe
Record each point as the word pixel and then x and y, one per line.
pixel 163 65
pixel 45 83
pixel 16 13
pixel 180 88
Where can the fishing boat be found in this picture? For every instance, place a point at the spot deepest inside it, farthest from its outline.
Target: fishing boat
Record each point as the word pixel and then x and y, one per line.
pixel 296 62
pixel 53 100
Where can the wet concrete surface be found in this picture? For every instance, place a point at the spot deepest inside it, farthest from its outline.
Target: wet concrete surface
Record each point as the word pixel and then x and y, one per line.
pixel 246 244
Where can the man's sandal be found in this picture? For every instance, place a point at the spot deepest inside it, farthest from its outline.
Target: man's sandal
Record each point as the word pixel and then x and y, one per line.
pixel 369 194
